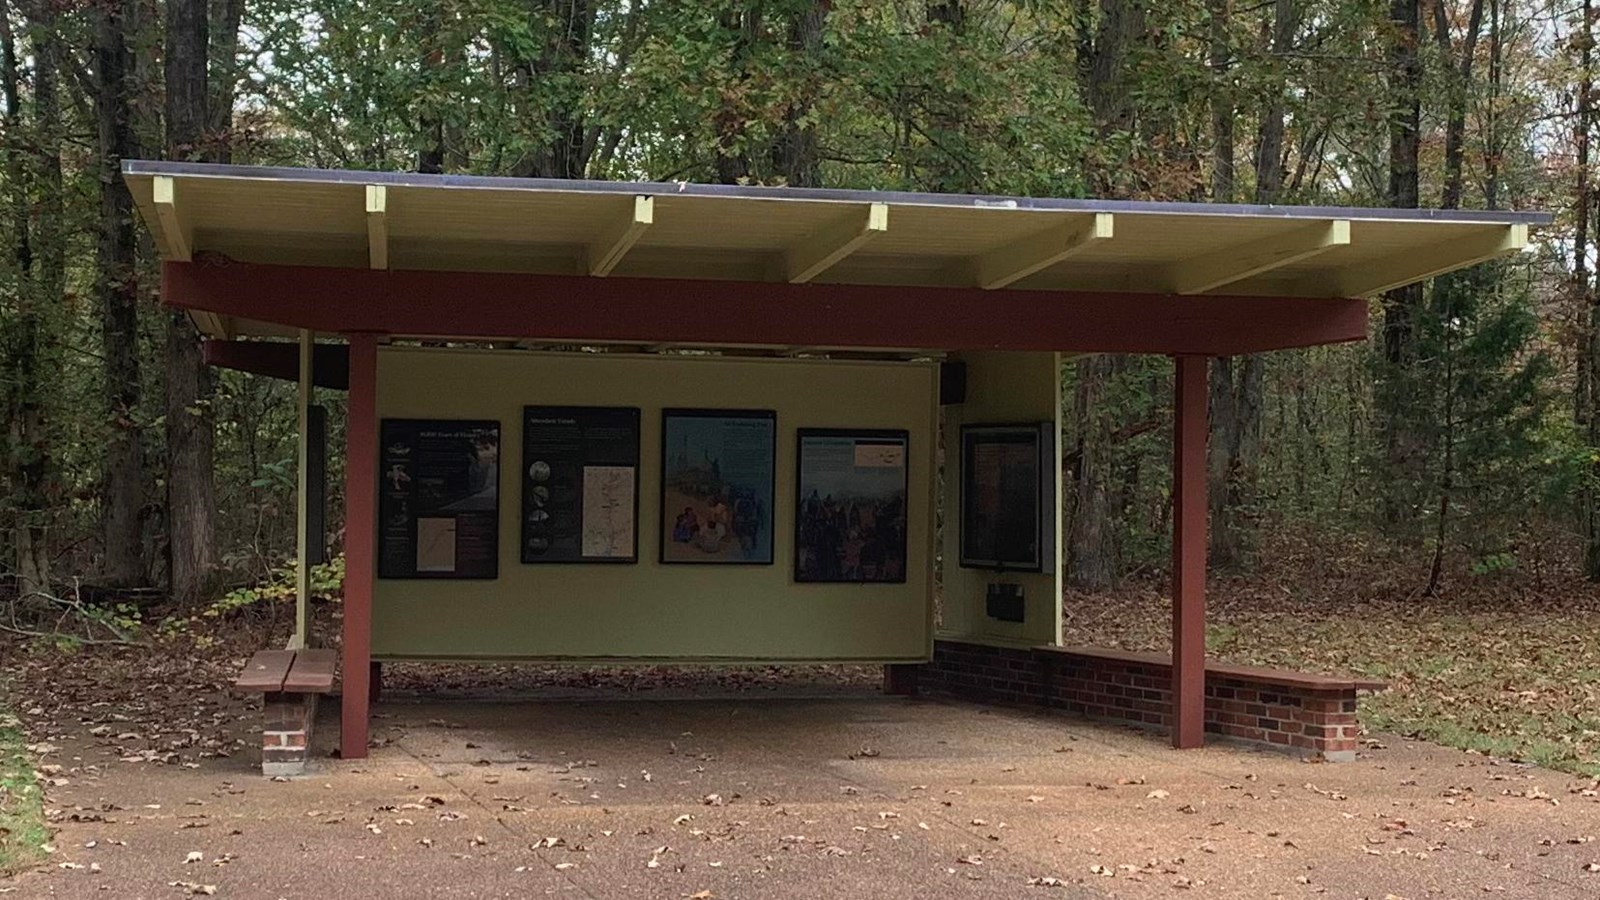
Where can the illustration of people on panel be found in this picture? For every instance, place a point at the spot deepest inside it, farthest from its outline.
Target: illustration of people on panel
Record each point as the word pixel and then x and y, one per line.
pixel 686 526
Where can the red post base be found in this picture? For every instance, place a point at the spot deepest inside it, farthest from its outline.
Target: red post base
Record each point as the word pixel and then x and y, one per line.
pixel 375 681
pixel 900 679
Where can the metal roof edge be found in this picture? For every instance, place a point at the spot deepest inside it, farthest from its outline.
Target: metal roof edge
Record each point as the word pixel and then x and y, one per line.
pixel 145 167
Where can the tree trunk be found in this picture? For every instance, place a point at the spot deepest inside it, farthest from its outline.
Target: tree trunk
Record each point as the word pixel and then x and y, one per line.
pixel 1451 284
pixel 743 23
pixel 34 182
pixel 947 109
pixel 1269 139
pixel 1456 126
pixel 188 31
pixel 795 153
pixel 1587 404
pixel 1401 307
pixel 222 77
pixel 1104 77
pixel 191 495
pixel 1222 112
pixel 430 116
pixel 1238 384
pixel 117 291
pixel 1091 550
pixel 1491 115
pixel 1224 538
pixel 569 25
pixel 50 289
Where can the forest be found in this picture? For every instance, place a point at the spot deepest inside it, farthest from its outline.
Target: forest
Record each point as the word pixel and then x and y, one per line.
pixel 1465 435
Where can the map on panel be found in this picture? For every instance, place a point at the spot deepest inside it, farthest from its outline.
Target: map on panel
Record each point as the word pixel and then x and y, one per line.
pixel 608 508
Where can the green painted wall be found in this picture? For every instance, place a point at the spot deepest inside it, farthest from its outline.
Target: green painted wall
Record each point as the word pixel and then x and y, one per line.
pixel 649 611
pixel 1003 388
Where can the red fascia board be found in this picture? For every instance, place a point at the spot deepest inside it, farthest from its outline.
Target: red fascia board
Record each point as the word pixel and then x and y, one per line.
pixel 493 305
pixel 330 363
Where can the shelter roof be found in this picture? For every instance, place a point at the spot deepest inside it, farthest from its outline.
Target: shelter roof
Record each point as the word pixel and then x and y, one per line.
pixel 388 220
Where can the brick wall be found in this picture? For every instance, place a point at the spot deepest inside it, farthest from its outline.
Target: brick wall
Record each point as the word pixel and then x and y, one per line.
pixel 285 733
pixel 1306 713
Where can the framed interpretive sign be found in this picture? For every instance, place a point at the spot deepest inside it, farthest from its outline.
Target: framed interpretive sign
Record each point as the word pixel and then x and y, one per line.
pixel 580 484
pixel 850 510
pixel 1008 497
pixel 439 499
pixel 717 470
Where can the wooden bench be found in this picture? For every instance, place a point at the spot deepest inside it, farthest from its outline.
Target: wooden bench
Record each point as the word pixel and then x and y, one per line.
pixel 288 672
pixel 290 682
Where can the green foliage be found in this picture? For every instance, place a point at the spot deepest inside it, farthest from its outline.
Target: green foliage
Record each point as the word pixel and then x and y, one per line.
pixel 1135 409
pixel 23 833
pixel 1483 442
pixel 326 581
pixel 123 619
pixel 1001 97
pixel 1495 564
pixel 277 588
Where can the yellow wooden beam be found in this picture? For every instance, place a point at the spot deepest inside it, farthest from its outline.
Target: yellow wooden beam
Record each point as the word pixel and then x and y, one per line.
pixel 1210 271
pixel 821 251
pixel 1015 261
pixel 211 324
pixel 1412 265
pixel 177 237
pixel 605 253
pixel 378 226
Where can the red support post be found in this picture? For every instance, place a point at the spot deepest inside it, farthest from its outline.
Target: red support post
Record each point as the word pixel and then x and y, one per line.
pixel 360 538
pixel 1189 430
pixel 900 679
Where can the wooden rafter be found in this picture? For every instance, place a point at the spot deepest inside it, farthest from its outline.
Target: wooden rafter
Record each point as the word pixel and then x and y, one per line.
pixel 1015 261
pixel 177 236
pixel 378 226
pixel 619 238
pixel 1220 268
pixel 821 251
pixel 1412 265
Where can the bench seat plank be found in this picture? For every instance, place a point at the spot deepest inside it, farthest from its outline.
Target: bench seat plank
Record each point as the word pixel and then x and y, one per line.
pixel 1304 681
pixel 265 671
pixel 312 672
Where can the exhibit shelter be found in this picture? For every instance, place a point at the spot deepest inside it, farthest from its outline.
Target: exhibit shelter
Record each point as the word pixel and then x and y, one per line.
pixel 594 421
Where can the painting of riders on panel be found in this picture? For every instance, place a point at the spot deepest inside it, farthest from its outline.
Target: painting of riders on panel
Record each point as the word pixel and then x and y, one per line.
pixel 716 485
pixel 851 516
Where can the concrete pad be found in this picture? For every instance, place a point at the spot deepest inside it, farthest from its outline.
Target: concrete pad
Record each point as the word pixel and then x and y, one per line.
pixel 815 796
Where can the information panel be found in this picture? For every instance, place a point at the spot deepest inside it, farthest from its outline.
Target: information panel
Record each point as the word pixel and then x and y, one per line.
pixel 439 499
pixel 717 469
pixel 1005 493
pixel 580 484
pixel 851 509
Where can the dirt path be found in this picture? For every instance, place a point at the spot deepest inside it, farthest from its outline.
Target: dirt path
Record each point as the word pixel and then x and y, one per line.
pixel 834 796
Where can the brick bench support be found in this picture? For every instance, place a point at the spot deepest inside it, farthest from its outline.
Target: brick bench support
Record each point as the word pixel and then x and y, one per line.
pixel 285 732
pixel 1292 711
pixel 289 682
